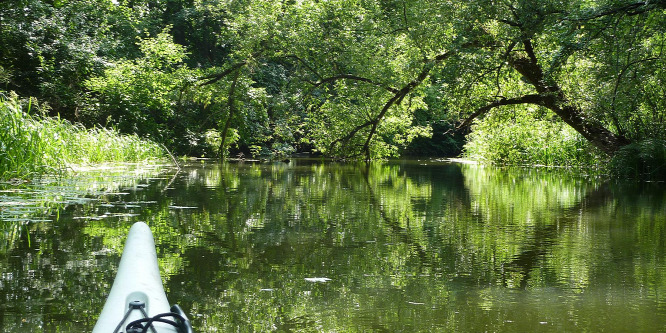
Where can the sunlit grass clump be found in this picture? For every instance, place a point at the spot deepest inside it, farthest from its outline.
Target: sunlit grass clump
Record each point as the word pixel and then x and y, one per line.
pixel 32 144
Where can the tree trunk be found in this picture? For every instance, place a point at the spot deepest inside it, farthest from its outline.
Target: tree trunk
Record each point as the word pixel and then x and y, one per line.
pixel 232 111
pixel 553 98
pixel 597 134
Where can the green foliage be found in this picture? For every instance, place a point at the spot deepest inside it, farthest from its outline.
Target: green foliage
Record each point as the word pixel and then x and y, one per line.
pixel 446 140
pixel 280 151
pixel 5 76
pixel 230 141
pixel 528 138
pixel 349 79
pixel 645 160
pixel 616 67
pixel 339 117
pixel 52 48
pixel 591 63
pixel 30 144
pixel 141 95
pixel 213 139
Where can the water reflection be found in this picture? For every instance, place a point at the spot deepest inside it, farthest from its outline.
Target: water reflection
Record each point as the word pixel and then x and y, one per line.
pixel 315 246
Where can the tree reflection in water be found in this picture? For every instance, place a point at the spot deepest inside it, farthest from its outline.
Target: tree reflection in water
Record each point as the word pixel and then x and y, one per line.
pixel 315 246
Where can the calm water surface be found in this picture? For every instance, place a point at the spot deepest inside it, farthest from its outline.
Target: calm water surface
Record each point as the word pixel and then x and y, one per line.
pixel 312 246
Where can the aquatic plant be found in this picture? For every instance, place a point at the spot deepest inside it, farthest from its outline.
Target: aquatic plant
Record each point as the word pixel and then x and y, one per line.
pixel 34 144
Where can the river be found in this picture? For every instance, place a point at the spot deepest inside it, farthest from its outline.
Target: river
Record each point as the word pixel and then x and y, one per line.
pixel 320 246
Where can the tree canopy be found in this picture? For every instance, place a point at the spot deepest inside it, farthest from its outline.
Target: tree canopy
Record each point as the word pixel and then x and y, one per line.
pixel 344 78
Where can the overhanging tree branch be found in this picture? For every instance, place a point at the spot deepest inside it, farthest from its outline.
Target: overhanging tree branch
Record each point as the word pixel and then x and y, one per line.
pixel 398 96
pixel 554 98
pixel 351 134
pixel 527 99
pixel 630 9
pixel 212 78
pixel 306 65
pixel 352 77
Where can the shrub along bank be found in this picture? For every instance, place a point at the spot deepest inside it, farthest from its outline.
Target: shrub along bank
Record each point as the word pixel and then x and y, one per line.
pixel 532 137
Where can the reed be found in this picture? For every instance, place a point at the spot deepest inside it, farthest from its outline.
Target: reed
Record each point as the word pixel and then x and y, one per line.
pixel 31 144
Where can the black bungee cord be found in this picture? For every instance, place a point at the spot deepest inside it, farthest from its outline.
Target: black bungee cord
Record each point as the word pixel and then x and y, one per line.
pixel 142 325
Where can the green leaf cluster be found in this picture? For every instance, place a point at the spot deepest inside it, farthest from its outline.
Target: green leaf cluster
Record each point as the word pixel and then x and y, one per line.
pixel 140 95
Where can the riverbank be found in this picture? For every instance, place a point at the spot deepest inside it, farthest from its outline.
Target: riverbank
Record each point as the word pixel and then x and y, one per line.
pixel 31 144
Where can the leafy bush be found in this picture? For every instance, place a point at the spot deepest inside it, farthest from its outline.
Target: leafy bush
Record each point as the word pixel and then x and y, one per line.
pixel 140 95
pixel 645 160
pixel 528 139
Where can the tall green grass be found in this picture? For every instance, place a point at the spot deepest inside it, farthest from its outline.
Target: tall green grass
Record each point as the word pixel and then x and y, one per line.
pixel 31 144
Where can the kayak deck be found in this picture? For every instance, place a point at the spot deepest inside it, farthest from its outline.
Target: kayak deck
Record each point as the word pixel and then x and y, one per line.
pixel 137 292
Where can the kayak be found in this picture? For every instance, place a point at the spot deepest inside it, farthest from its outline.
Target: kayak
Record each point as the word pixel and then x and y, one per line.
pixel 137 301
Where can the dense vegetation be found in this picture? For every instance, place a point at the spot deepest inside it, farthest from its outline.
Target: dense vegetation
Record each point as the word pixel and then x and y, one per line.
pixel 549 82
pixel 31 144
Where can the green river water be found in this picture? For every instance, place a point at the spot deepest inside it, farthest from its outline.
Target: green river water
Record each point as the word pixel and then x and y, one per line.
pixel 315 246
